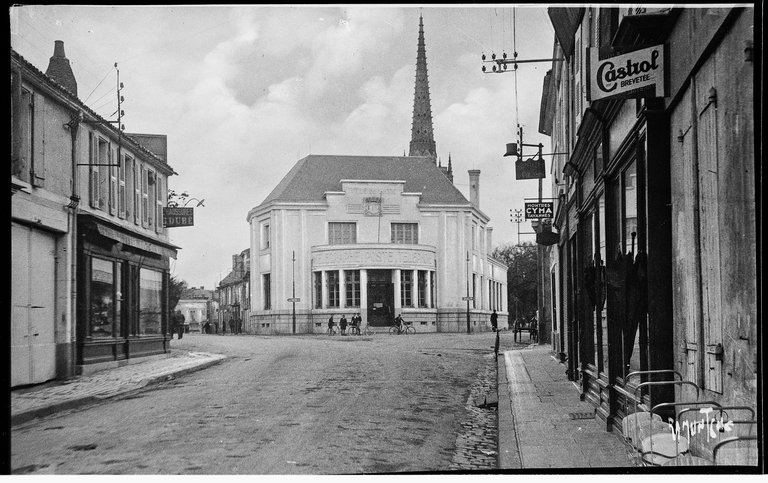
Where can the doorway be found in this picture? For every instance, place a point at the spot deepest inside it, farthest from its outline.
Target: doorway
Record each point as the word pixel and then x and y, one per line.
pixel 381 296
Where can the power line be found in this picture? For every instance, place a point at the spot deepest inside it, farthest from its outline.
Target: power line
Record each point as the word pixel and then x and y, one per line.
pixel 97 86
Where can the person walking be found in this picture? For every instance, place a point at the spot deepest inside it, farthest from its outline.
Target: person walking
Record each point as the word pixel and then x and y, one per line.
pixel 330 325
pixel 494 320
pixel 179 322
pixel 343 324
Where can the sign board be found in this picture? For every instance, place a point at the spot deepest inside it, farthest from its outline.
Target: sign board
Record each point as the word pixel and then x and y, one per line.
pixel 294 299
pixel 538 211
pixel 636 74
pixel 372 206
pixel 531 169
pixel 178 216
pixel 547 238
pixel 467 298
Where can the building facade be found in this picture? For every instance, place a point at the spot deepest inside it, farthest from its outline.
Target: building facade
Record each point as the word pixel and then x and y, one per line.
pixel 657 259
pixel 90 258
pixel 378 236
pixel 198 306
pixel 233 294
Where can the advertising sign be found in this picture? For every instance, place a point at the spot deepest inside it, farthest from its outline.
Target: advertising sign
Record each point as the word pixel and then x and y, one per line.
pixel 531 169
pixel 636 74
pixel 177 216
pixel 539 211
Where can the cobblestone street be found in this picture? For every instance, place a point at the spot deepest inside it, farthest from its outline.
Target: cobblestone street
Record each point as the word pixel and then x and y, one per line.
pixel 287 405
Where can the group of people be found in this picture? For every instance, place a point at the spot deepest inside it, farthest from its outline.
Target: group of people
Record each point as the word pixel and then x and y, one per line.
pixel 343 323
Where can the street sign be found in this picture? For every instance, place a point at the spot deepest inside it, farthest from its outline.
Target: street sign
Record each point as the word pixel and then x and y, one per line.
pixel 538 211
pixel 635 74
pixel 294 299
pixel 178 216
pixel 467 298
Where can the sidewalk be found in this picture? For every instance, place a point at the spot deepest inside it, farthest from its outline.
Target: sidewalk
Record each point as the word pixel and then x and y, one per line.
pixel 536 430
pixel 49 398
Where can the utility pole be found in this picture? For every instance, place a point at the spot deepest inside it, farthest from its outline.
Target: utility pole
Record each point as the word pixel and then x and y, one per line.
pixel 293 283
pixel 469 330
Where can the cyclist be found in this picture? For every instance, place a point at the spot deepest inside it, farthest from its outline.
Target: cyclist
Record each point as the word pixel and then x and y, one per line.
pixel 355 328
pixel 399 322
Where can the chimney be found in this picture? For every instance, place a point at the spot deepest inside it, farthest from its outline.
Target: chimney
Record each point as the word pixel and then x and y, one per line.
pixel 474 187
pixel 59 69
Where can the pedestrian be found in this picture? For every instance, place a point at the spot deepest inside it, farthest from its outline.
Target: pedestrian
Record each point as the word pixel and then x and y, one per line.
pixel 343 324
pixel 179 323
pixel 330 325
pixel 207 327
pixel 355 324
pixel 494 320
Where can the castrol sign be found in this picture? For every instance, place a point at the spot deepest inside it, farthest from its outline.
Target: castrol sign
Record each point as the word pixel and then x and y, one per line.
pixel 636 74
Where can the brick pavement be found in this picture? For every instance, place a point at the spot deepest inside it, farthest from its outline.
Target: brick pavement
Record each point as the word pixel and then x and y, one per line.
pixel 52 397
pixel 535 427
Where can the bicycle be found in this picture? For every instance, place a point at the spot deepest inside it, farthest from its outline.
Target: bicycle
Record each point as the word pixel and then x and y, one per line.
pixel 396 330
pixel 331 330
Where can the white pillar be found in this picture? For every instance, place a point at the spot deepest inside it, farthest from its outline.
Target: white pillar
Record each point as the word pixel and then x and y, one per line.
pixel 415 288
pixel 429 289
pixel 342 290
pixel 398 302
pixel 364 296
pixel 324 289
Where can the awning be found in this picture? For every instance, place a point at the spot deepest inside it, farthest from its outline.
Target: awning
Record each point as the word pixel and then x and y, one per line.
pixel 565 21
pixel 162 249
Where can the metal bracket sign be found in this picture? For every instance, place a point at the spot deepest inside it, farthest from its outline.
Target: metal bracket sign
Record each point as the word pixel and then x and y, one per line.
pixel 531 169
pixel 178 216
pixel 635 74
pixel 294 299
pixel 539 211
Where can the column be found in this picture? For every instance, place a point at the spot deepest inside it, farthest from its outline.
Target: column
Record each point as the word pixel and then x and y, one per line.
pixel 364 296
pixel 324 289
pixel 429 289
pixel 342 290
pixel 415 288
pixel 396 281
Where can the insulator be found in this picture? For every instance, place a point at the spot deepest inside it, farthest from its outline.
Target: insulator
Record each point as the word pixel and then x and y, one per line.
pixel 122 99
pixel 493 56
pixel 122 113
pixel 505 66
pixel 483 68
pixel 494 68
pixel 504 55
pixel 482 56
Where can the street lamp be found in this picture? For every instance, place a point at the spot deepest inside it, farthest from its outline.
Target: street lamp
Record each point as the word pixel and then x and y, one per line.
pixel 293 282
pixel 469 330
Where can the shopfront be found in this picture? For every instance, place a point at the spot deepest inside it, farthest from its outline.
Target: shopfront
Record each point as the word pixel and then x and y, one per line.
pixel 122 295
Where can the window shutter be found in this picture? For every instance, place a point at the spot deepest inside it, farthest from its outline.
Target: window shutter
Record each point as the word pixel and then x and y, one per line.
pixel 38 138
pixel 94 170
pixel 136 191
pixel 112 182
pixel 158 203
pixel 121 187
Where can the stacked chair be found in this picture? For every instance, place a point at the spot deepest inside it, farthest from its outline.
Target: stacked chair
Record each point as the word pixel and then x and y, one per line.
pixel 652 441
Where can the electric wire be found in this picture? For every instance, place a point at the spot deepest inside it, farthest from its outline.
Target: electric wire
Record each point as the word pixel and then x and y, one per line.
pixel 97 86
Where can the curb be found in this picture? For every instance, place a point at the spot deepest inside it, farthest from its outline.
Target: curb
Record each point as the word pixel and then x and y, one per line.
pixel 81 402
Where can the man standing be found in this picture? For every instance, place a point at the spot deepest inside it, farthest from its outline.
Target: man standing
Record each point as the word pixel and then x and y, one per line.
pixel 343 324
pixel 494 320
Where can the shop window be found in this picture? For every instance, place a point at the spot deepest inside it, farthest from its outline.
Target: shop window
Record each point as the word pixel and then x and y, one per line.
pixel 333 288
pixel 267 290
pixel 406 288
pixel 405 233
pixel 102 298
pixel 422 288
pixel 342 233
pixel 633 360
pixel 317 278
pixel 150 301
pixel 352 286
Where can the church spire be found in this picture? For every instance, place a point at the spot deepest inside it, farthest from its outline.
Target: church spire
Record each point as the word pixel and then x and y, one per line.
pixel 422 136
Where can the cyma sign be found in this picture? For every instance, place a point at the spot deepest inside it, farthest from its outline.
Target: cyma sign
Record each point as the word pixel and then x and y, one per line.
pixel 636 74
pixel 539 211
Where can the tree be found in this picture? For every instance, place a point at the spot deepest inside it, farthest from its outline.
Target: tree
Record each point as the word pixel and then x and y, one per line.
pixel 176 287
pixel 522 282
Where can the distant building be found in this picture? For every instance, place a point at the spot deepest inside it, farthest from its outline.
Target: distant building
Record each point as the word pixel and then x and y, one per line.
pixel 90 256
pixel 375 235
pixel 198 306
pixel 233 294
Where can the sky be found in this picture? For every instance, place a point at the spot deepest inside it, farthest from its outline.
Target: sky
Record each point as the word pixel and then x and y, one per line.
pixel 244 92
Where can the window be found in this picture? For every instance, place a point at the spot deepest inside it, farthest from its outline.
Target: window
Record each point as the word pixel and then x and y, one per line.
pixel 265 236
pixel 333 288
pixel 352 286
pixel 433 289
pixel 150 194
pixel 136 192
pixel 422 288
pixel 406 288
pixel 150 297
pixel 267 291
pixel 103 168
pixel 474 236
pixel 342 233
pixel 121 188
pixel 405 233
pixel 102 298
pixel 317 281
pixel 474 290
pixel 93 160
pixel 144 195
pixel 158 203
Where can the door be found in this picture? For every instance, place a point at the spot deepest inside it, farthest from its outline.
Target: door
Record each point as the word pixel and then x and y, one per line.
pixel 33 347
pixel 381 296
